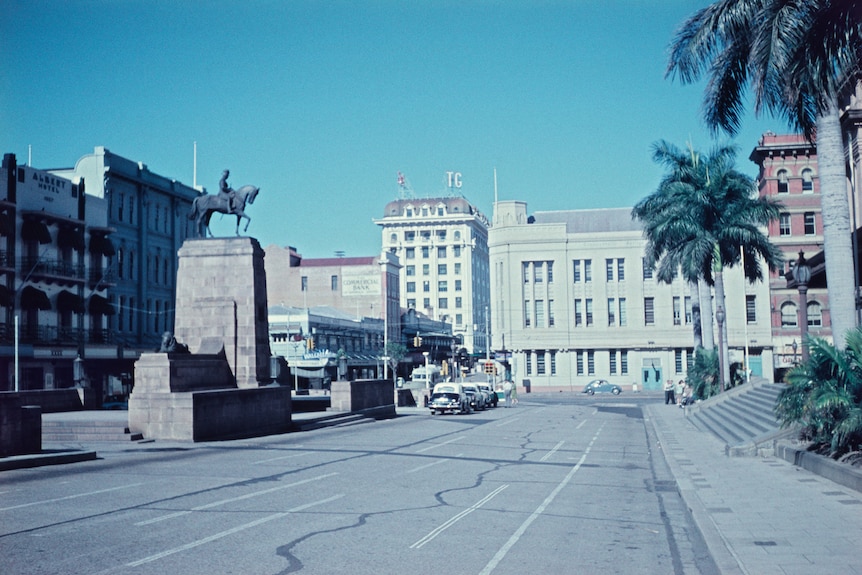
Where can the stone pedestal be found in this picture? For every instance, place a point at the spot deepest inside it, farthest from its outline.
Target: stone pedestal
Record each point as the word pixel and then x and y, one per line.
pixel 221 301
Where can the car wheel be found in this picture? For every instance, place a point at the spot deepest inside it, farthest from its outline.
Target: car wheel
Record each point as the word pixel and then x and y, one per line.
pixel 591 392
pixel 616 391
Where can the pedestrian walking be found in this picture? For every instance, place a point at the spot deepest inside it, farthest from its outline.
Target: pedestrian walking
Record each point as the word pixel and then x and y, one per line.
pixel 668 393
pixel 680 386
pixel 507 392
pixel 514 395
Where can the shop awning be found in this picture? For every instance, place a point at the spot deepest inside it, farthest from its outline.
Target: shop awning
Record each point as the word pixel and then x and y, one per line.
pixel 33 298
pixel 309 373
pixel 68 301
pixel 35 231
pixel 101 306
pixel 72 237
pixel 100 244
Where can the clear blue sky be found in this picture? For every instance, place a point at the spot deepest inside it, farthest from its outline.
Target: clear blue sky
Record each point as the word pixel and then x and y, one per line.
pixel 321 103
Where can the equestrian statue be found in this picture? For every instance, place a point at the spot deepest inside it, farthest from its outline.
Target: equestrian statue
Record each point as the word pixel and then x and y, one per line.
pixel 227 201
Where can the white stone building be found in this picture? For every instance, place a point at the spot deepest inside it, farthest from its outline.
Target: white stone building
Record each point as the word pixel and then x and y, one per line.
pixel 571 302
pixel 442 244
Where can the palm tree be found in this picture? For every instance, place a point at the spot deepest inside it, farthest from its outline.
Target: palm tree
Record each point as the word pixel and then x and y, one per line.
pixel 699 217
pixel 824 395
pixel 798 58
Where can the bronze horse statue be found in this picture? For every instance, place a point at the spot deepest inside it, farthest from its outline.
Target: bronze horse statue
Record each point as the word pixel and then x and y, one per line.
pixel 204 205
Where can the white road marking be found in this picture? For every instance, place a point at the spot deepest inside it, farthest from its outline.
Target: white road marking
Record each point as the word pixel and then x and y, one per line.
pixel 231 500
pixel 507 421
pixel 581 424
pixel 457 518
pixel 223 534
pixel 551 452
pixel 87 494
pixel 282 457
pixel 430 447
pixel 539 510
pixel 427 465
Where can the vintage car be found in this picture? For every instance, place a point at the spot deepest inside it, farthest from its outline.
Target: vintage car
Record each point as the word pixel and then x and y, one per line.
pixel 449 398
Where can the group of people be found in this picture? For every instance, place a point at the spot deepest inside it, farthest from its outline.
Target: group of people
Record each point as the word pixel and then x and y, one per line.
pixel 510 393
pixel 678 394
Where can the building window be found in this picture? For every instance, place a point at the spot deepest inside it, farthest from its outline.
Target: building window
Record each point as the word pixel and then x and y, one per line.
pixel 410 253
pixel 411 287
pixel 649 311
pixel 410 271
pixel 591 362
pixel 588 271
pixel 612 315
pixel 527 313
pixel 810 226
pixel 609 270
pixel 333 282
pixel 538 272
pixel 553 356
pixel 458 269
pixel 441 251
pixel 624 362
pixel 551 321
pixel 426 253
pixel 579 363
pixel 409 236
pixel 576 266
pixel 784 224
pixel 550 272
pixel 457 285
pixel 815 316
pixel 648 271
pixel 426 269
pixel 456 251
pixel 304 283
pixel 525 266
pixel 750 309
pixel 677 311
pixel 612 362
pixel 788 314
pixel 687 308
pixel 621 269
pixel 623 319
pixel 677 361
pixel 578 313
pixel 459 319
pixel 442 285
pixel 443 303
pixel 441 269
pixel 807 181
pixel 411 303
pixel 540 362
pixel 458 303
pixel 588 305
pixel 426 302
pixel 426 286
pixel 783 188
pixel 540 313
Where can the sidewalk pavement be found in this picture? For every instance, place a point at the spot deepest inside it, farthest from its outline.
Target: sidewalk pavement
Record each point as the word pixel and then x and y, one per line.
pixel 759 515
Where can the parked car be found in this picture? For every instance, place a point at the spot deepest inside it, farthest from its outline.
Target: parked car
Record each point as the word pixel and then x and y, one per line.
pixel 490 396
pixel 602 386
pixel 476 397
pixel 448 398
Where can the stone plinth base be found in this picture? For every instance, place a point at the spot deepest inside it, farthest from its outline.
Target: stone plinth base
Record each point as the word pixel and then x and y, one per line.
pixel 372 396
pixel 210 415
pixel 174 372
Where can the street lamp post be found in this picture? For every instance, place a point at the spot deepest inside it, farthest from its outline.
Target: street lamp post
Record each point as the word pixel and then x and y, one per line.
pixel 794 347
pixel 720 317
pixel 802 275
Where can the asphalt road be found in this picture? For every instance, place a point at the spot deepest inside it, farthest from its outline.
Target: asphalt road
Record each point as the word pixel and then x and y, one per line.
pixel 550 486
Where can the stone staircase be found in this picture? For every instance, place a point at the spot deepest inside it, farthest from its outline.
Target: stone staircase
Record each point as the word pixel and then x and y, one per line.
pixel 743 418
pixel 84 431
pixel 340 419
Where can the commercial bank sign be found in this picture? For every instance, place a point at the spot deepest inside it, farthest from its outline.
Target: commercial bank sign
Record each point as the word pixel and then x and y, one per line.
pixel 358 284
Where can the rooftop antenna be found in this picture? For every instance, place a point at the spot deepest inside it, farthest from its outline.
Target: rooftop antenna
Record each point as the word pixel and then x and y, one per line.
pixel 495 186
pixel 405 190
pixel 29 155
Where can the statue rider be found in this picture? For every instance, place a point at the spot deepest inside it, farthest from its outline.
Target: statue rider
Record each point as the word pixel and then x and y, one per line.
pixel 229 193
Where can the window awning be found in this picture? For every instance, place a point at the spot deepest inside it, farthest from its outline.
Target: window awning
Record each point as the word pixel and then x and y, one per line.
pixel 33 298
pixel 35 231
pixel 68 301
pixel 101 306
pixel 100 244
pixel 309 373
pixel 71 237
pixel 7 296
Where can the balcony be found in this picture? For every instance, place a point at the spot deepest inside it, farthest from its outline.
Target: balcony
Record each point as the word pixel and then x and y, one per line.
pixel 55 335
pixel 50 271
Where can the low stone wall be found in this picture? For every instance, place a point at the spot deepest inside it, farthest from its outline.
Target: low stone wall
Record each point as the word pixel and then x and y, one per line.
pixel 210 415
pixel 57 400
pixel 375 397
pixel 20 427
pixel 842 474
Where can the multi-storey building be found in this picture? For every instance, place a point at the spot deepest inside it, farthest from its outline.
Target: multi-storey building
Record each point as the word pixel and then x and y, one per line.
pixel 147 215
pixel 788 173
pixel 573 301
pixel 442 244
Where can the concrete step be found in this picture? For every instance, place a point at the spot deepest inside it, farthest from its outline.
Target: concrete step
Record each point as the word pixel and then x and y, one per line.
pixel 86 431
pixel 335 420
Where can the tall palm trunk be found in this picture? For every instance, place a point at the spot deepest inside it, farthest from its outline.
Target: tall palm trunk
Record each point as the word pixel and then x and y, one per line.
pixel 706 314
pixel 724 352
pixel 836 224
pixel 695 315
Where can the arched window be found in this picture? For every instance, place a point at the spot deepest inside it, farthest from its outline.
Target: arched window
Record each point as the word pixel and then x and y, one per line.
pixel 788 314
pixel 782 182
pixel 393 238
pixel 815 315
pixel 807 180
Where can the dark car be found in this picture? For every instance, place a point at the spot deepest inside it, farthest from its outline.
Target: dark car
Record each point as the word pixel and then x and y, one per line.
pixel 602 386
pixel 476 397
pixel 448 398
pixel 490 395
